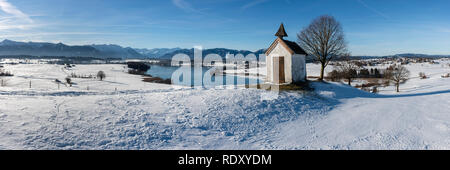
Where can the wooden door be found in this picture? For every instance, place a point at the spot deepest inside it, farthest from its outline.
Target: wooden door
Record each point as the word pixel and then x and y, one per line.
pixel 278 70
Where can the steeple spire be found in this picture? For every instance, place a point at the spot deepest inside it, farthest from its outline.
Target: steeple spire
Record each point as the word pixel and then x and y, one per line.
pixel 281 32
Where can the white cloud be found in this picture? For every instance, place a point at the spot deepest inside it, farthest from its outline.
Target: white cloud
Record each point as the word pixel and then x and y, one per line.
pixel 182 4
pixel 445 30
pixel 9 27
pixel 253 3
pixel 373 9
pixel 8 8
pixel 13 18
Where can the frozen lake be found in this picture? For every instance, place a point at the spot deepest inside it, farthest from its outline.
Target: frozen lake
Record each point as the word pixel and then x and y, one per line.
pixel 200 76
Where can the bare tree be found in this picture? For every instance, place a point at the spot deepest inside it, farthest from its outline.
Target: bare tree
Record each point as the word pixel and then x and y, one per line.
pixel 398 74
pixel 347 70
pixel 324 40
pixel 101 75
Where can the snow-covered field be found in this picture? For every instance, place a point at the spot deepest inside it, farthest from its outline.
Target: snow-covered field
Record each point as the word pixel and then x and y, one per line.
pixel 122 112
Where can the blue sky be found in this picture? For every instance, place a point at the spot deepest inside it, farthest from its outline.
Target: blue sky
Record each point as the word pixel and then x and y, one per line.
pixel 372 27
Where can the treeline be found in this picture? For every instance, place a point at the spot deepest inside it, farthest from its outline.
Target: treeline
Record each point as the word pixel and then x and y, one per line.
pixel 370 73
pixel 137 68
pixel 344 73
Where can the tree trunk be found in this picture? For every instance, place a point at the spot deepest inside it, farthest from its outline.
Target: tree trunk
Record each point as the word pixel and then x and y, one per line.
pixel 322 70
pixel 350 82
pixel 398 87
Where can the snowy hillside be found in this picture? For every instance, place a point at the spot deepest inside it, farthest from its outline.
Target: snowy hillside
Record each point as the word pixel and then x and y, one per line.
pixel 123 112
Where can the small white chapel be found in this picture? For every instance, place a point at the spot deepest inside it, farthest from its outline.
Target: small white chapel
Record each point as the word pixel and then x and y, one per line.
pixel 285 61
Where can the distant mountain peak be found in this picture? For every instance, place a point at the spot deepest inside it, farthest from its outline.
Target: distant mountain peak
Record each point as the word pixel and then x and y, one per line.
pixel 8 42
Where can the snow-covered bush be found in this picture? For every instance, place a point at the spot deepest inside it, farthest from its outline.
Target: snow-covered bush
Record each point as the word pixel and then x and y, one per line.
pixel 101 75
pixel 334 75
pixel 446 75
pixel 3 82
pixel 69 81
pixel 75 75
pixel 422 75
pixel 5 73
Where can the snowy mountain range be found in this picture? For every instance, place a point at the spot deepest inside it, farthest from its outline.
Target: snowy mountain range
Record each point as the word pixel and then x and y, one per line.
pixel 8 47
pixel 116 51
pixel 13 48
pixel 155 52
